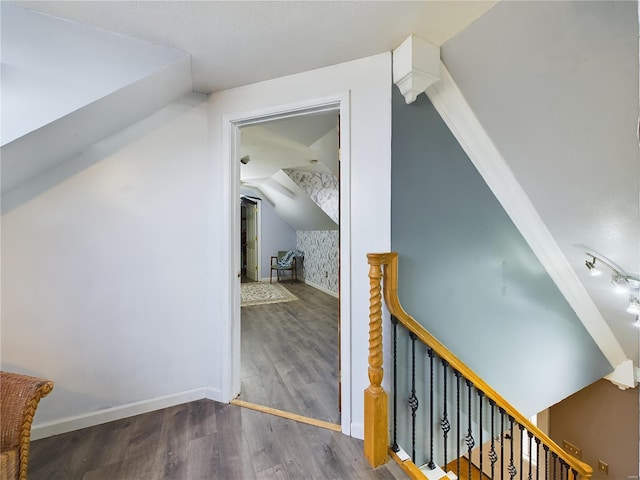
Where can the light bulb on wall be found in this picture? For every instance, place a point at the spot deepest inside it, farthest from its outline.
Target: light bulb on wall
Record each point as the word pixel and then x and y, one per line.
pixel 634 306
pixel 620 283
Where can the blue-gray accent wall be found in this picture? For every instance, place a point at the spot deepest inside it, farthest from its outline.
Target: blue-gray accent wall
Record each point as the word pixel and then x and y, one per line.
pixel 467 274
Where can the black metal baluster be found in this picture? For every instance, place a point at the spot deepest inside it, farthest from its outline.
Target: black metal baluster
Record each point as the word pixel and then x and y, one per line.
pixel 530 435
pixel 537 458
pixel 502 438
pixel 468 439
pixel 395 447
pixel 521 428
pixel 431 464
pixel 554 455
pixel 493 457
pixel 446 427
pixel 575 474
pixel 481 399
pixel 512 468
pixel 546 462
pixel 457 422
pixel 413 400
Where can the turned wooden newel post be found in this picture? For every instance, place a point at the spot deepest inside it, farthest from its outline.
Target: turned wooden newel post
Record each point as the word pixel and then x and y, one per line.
pixel 376 413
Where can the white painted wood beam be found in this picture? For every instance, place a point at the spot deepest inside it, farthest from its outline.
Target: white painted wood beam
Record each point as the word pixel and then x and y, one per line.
pixel 416 65
pixel 450 103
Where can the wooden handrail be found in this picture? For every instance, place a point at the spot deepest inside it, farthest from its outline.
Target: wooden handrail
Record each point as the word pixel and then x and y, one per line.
pixel 389 263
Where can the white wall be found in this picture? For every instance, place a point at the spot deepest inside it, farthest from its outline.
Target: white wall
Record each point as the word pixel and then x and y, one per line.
pixel 118 281
pixel 365 214
pixel 104 279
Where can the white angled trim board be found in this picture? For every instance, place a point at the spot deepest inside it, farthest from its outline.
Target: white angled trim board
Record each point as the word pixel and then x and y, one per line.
pixel 450 103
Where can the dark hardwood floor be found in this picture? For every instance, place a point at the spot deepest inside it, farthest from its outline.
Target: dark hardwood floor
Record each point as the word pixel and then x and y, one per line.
pixel 290 354
pixel 203 440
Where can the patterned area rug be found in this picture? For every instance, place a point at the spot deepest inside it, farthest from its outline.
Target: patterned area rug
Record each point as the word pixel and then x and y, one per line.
pixel 258 293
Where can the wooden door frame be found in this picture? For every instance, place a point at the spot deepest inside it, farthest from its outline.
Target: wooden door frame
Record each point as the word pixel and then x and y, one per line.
pixel 231 149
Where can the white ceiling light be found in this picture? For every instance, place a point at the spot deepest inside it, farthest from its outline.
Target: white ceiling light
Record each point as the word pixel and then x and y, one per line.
pixel 634 306
pixel 620 283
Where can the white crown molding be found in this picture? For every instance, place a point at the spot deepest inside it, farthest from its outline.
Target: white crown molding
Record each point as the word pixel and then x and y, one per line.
pixel 450 103
pixel 416 66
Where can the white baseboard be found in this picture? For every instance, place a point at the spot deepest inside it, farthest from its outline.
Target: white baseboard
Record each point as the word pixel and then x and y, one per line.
pixel 68 424
pixel 320 287
pixel 357 430
pixel 214 394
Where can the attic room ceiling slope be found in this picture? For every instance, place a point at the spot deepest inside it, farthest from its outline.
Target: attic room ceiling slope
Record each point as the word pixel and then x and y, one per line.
pixel 565 121
pixel 81 65
pixel 89 86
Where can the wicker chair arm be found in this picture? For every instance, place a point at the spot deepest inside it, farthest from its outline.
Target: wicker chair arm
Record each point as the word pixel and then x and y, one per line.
pixel 19 397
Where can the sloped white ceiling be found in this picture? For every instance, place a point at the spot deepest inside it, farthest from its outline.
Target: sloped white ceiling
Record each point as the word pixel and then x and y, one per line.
pixel 53 67
pixel 555 85
pixel 66 86
pixel 307 143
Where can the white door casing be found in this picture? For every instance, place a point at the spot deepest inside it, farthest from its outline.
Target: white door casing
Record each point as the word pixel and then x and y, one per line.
pixel 362 91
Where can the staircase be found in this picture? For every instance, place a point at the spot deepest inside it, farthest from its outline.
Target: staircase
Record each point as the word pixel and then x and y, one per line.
pixel 443 415
pixel 463 465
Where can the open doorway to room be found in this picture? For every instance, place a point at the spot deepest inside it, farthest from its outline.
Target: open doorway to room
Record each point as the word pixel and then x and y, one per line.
pixel 249 240
pixel 290 327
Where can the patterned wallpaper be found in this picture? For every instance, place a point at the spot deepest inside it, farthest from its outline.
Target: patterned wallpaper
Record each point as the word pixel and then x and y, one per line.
pixel 320 264
pixel 322 188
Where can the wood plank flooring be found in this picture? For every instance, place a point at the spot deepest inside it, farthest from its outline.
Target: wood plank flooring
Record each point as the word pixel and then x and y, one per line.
pixel 203 440
pixel 289 354
pixel 289 362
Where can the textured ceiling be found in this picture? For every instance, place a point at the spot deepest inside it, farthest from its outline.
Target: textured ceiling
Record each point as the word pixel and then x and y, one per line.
pixel 229 40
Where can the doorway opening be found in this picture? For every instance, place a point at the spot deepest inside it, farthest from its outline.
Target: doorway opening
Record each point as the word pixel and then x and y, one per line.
pixel 249 240
pixel 289 172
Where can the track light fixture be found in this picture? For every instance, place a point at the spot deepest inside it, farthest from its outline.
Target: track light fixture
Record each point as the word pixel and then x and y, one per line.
pixel 591 266
pixel 622 281
pixel 634 306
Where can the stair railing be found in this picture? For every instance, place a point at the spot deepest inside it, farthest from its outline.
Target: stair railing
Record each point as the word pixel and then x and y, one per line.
pixel 485 437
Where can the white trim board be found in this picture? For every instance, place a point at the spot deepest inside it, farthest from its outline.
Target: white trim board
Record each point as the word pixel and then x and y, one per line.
pixel 231 124
pixel 450 103
pixel 91 419
pixel 363 90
